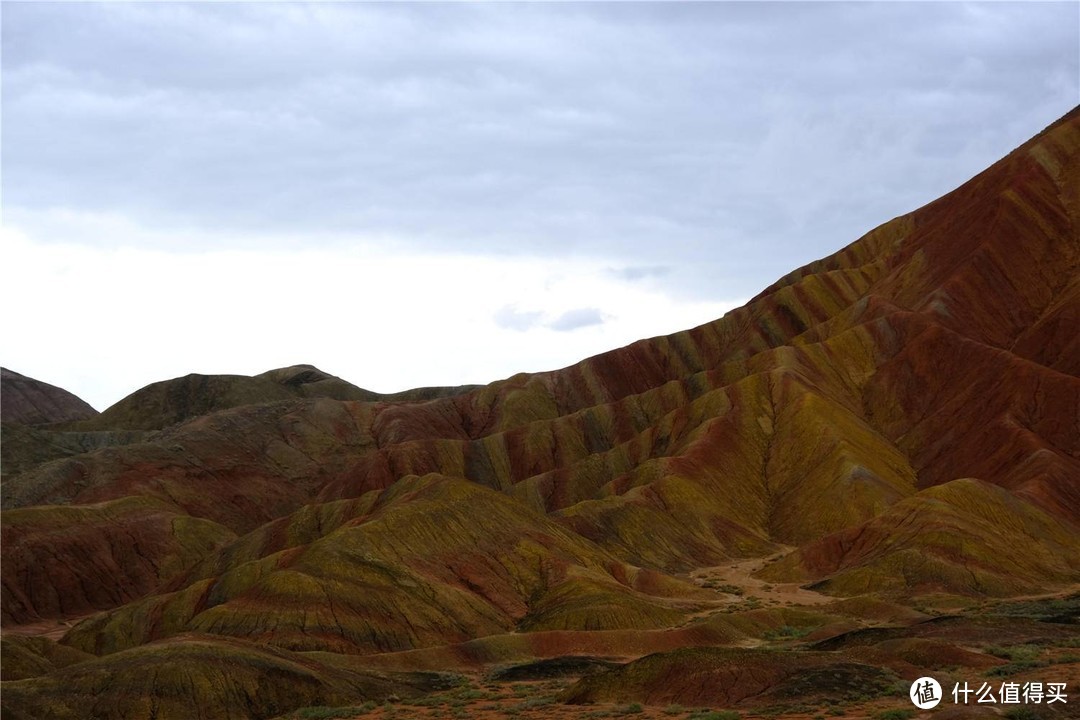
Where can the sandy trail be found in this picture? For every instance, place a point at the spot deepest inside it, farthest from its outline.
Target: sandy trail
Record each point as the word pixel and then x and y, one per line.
pixel 739 574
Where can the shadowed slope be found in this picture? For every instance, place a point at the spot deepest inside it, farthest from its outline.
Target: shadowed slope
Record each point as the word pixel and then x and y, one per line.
pixel 731 676
pixel 202 678
pixel 27 657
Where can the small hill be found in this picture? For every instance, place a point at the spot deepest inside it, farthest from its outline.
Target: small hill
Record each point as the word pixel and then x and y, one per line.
pixel 202 677
pixel 965 536
pixel 169 402
pixel 733 676
pixel 28 401
pixel 431 561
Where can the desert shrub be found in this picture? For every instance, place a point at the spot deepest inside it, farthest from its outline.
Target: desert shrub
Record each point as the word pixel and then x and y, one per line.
pixel 724 587
pixel 787 632
pixel 1020 657
pixel 1018 653
pixel 895 714
pixel 1022 713
pixel 715 715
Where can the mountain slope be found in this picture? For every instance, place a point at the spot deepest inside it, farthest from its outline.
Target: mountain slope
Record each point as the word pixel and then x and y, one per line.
pixel 32 402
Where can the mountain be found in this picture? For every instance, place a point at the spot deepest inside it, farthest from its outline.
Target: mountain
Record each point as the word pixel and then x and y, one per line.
pixel 32 402
pixel 884 441
pixel 169 402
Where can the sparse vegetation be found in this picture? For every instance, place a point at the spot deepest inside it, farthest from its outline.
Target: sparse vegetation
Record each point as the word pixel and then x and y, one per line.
pixel 714 715
pixel 895 714
pixel 722 587
pixel 1041 609
pixel 787 632
pixel 1020 657
pixel 538 702
pixel 1022 713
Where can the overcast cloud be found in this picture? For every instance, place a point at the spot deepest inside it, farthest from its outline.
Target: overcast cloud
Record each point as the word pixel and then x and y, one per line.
pixel 689 154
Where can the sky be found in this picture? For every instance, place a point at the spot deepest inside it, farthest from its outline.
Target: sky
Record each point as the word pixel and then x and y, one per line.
pixel 441 193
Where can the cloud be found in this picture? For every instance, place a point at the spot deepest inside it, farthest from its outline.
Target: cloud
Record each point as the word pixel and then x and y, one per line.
pixel 577 318
pixel 728 141
pixel 381 318
pixel 641 272
pixel 510 318
pixel 204 170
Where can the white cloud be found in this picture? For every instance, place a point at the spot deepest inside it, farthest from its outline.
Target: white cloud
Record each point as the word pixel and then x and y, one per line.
pixel 728 141
pixel 510 318
pixel 578 318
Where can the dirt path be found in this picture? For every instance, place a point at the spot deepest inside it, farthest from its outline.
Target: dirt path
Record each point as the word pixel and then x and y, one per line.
pixel 52 629
pixel 736 582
